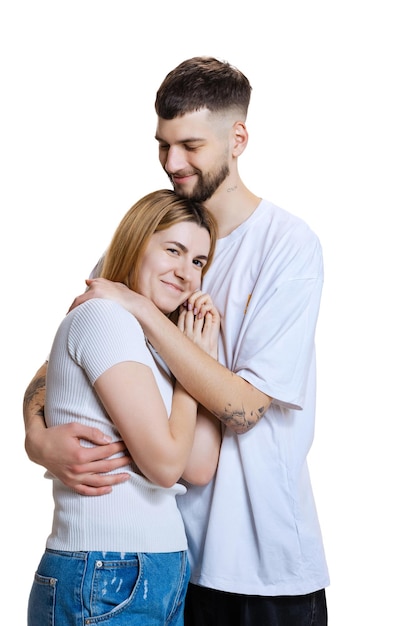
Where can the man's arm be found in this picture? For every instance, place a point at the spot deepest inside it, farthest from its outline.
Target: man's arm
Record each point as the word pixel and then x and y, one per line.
pixel 59 450
pixel 234 401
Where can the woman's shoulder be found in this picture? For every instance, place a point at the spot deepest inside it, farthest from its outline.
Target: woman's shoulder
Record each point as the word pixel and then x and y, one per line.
pixel 102 315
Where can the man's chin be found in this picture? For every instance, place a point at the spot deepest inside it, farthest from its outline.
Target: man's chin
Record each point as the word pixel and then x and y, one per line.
pixel 183 191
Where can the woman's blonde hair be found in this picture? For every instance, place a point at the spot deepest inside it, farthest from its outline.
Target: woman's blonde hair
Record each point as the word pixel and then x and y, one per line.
pixel 152 213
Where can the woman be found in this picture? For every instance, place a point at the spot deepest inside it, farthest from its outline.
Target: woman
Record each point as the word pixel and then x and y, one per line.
pixel 121 558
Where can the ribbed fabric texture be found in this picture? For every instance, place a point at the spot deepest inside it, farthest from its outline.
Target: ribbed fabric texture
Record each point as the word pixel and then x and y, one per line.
pixel 137 516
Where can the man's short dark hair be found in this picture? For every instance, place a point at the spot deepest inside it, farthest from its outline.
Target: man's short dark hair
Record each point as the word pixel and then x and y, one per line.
pixel 202 83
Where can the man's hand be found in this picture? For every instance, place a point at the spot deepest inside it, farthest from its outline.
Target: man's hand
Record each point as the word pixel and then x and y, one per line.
pixel 83 469
pixel 104 288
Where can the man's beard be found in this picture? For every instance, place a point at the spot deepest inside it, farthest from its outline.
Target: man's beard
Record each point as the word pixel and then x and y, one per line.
pixel 206 184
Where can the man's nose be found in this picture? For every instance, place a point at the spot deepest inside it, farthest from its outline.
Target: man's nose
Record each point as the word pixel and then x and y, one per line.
pixel 174 160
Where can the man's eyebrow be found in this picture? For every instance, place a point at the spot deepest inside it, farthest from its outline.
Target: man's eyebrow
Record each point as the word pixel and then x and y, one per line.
pixel 185 140
pixel 185 249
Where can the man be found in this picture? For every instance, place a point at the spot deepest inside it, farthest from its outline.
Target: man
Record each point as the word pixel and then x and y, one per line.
pixel 254 539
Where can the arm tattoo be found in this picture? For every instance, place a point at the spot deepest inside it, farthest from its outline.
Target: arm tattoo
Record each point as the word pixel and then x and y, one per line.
pixel 36 386
pixel 238 419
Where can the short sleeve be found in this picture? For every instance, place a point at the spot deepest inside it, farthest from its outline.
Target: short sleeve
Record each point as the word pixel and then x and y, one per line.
pixel 102 334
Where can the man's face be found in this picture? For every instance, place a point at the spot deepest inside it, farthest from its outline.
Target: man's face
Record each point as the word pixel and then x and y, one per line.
pixel 194 152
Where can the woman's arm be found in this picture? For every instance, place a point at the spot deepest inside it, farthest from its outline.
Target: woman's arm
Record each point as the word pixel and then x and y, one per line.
pixel 203 460
pixel 160 446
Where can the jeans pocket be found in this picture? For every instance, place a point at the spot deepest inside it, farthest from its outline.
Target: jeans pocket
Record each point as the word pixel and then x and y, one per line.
pixel 41 606
pixel 113 585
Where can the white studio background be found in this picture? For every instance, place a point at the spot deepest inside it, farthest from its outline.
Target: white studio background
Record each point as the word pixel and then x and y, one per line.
pixel 333 138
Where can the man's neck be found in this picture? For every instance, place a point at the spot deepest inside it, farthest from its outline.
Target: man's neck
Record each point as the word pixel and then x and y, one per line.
pixel 231 205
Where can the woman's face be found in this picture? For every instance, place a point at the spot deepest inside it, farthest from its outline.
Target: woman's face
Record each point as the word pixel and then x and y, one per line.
pixel 171 267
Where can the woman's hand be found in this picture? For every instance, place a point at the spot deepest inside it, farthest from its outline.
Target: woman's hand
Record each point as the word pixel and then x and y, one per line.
pixel 200 321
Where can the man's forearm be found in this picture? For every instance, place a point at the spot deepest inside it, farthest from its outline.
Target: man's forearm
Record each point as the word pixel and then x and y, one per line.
pixel 229 397
pixel 33 411
pixel 34 399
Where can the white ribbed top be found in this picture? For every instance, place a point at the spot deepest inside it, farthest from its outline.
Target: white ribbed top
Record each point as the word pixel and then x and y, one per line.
pixel 137 516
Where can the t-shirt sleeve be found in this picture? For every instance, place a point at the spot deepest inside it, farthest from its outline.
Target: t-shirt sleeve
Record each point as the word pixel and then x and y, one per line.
pixel 102 334
pixel 277 343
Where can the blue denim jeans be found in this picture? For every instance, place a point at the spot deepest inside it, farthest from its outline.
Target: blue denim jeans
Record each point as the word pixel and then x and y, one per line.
pixel 109 588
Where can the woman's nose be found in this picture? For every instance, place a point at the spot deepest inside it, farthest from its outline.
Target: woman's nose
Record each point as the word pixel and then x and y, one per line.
pixel 184 271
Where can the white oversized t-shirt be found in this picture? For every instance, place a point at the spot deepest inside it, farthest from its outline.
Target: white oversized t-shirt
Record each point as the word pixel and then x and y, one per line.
pixel 254 528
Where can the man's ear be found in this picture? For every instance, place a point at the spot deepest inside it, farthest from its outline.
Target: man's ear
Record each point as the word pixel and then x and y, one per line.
pixel 239 138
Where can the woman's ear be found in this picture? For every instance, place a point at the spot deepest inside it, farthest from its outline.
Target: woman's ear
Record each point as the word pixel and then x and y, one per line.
pixel 239 138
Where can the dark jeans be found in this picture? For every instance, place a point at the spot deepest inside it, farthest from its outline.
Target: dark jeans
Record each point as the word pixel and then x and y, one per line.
pixel 208 607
